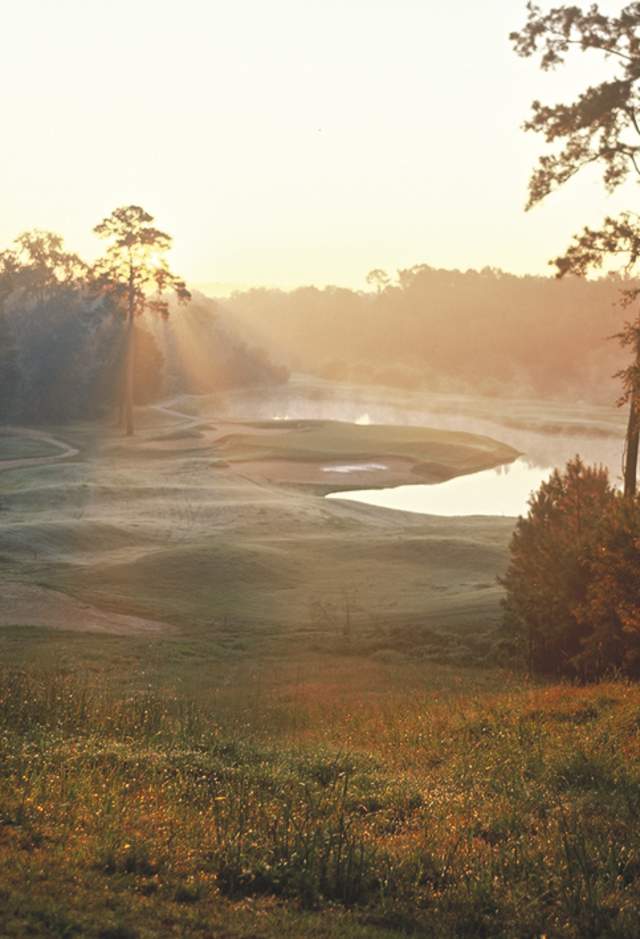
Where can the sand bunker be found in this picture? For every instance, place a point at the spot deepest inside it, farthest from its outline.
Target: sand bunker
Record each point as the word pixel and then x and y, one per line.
pixel 355 468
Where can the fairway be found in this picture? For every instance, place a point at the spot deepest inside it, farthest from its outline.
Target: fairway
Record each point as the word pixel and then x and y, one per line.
pixel 218 529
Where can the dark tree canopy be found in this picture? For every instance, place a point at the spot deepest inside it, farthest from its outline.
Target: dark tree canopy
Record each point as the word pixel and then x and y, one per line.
pixel 601 125
pixel 136 271
pixel 63 336
pixel 135 264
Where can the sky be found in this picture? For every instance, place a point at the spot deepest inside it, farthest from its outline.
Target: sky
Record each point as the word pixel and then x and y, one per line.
pixel 286 142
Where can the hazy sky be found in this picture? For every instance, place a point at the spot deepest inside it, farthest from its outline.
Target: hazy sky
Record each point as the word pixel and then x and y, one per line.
pixel 284 141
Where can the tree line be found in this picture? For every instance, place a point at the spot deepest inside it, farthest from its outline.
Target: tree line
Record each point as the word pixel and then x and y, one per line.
pixel 477 332
pixel 73 338
pixel 70 343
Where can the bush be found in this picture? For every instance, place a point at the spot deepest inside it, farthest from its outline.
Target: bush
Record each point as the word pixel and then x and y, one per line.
pixel 554 552
pixel 610 611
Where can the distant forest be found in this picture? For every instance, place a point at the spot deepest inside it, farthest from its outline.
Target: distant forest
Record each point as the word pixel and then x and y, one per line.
pixel 63 341
pixel 482 332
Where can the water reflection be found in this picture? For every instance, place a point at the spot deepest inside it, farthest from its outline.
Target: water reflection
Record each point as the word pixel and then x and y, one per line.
pixel 547 432
pixel 501 491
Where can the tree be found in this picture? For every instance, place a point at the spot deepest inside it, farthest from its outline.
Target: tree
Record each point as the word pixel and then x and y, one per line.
pixel 31 273
pixel 59 334
pixel 548 574
pixel 9 373
pixel 600 127
pixel 136 271
pixel 44 265
pixel 37 266
pixel 8 353
pixel 378 278
pixel 609 614
pixel 69 347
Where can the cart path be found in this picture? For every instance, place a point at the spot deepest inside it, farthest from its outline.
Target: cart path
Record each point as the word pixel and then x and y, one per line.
pixel 66 449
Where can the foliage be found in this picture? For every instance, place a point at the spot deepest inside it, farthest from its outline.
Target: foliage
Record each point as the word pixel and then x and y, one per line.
pixel 135 271
pixel 547 576
pixel 599 127
pixel 527 336
pixel 8 368
pixel 592 622
pixel 38 265
pixel 135 266
pixel 610 611
pixel 63 337
pixel 593 127
pixel 378 278
pixel 68 351
pixel 573 577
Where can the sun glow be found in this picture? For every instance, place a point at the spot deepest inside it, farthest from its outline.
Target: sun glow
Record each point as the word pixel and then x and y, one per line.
pixel 184 345
pixel 315 165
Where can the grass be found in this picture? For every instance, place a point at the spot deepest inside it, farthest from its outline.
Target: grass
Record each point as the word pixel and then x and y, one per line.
pixel 171 538
pixel 308 753
pixel 448 452
pixel 17 447
pixel 382 811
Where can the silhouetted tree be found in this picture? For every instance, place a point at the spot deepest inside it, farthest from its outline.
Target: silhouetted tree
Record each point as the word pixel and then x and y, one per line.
pixel 43 265
pixel 378 278
pixel 599 127
pixel 136 270
pixel 9 373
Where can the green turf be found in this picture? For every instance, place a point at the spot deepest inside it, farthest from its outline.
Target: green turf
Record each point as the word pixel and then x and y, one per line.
pixel 321 747
pixel 166 536
pixel 18 447
pixel 321 441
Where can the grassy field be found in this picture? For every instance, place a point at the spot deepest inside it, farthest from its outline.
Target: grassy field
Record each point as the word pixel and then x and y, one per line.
pixel 339 797
pixel 230 708
pixel 16 447
pixel 433 454
pixel 178 526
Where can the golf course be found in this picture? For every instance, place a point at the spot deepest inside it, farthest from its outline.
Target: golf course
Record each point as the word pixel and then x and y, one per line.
pixel 230 706
pixel 320 470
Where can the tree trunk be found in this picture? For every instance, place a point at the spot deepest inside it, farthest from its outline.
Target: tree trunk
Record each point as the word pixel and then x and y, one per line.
pixel 631 450
pixel 129 376
pixel 131 354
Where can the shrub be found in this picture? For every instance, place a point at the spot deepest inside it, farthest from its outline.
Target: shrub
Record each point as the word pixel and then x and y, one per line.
pixel 551 563
pixel 610 611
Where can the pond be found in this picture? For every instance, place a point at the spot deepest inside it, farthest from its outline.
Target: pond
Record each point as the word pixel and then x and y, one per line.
pixel 547 433
pixel 501 491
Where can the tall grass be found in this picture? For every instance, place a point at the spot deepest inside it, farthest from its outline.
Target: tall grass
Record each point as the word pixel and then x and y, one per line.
pixel 506 815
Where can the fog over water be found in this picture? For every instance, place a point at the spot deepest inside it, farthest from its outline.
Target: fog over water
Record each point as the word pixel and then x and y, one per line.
pixel 546 433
